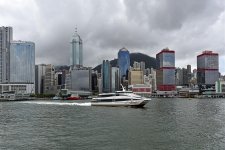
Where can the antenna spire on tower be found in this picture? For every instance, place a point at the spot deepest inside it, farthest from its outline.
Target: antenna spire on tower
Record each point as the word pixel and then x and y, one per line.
pixel 76 29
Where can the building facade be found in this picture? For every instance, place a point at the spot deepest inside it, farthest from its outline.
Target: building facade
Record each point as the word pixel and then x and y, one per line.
pixel 18 88
pixel 49 80
pixel 189 74
pixel 147 71
pixel 181 76
pixel 136 65
pixel 165 70
pixel 39 78
pixel 58 80
pixel 124 63
pixel 22 62
pixel 45 79
pixel 106 76
pixel 6 36
pixel 100 90
pixel 220 86
pixel 68 81
pixel 81 79
pixel 94 82
pixel 76 58
pixel 115 79
pixel 135 77
pixel 207 68
pixel 142 65
pixel 152 77
pixel 141 89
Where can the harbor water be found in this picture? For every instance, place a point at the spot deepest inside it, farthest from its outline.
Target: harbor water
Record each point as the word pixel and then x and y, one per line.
pixel 163 124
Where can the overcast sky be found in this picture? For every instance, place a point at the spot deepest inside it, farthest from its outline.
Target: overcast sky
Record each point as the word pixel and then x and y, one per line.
pixel 146 26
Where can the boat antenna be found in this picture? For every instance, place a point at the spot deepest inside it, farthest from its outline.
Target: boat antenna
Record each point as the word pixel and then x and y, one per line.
pixel 123 87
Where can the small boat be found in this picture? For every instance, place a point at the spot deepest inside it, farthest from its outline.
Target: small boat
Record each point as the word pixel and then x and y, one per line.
pixel 73 97
pixel 119 98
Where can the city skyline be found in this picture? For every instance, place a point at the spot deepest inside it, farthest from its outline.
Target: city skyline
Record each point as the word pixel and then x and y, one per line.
pixel 140 26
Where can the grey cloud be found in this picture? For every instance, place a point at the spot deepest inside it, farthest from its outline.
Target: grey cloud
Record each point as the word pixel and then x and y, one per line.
pixel 167 15
pixel 188 27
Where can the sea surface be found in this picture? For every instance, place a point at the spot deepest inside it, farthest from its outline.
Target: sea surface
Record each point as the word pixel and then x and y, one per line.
pixel 163 124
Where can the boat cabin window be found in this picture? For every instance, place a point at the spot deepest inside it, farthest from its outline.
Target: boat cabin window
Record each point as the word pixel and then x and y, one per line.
pixel 124 92
pixel 105 100
pixel 106 94
pixel 122 99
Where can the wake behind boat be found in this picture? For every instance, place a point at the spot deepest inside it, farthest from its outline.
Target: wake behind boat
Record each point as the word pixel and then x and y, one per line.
pixel 120 98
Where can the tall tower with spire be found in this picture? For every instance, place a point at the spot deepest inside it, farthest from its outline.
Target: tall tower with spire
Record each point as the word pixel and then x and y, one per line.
pixel 76 58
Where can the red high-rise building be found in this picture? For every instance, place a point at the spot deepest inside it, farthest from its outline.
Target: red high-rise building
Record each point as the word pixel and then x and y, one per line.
pixel 165 70
pixel 207 68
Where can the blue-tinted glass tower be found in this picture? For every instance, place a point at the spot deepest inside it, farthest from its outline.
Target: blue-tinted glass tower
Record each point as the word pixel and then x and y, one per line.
pixel 123 62
pixel 76 58
pixel 22 62
pixel 106 76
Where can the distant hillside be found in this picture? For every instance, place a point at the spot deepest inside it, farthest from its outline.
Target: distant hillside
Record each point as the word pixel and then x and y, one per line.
pixel 150 62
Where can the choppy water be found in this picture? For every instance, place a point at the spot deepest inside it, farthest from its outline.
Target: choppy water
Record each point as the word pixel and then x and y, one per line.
pixel 164 124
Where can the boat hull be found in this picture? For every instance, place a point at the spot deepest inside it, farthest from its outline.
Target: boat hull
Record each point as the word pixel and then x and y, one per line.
pixel 130 103
pixel 73 98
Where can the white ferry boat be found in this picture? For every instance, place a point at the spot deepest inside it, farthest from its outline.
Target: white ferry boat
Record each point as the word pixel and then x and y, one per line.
pixel 120 98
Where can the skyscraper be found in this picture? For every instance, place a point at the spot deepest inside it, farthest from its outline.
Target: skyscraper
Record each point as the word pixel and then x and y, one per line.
pixel 124 62
pixel 207 68
pixel 106 76
pixel 6 36
pixel 22 62
pixel 49 79
pixel 39 78
pixel 115 82
pixel 189 74
pixel 142 65
pixel 179 76
pixel 165 73
pixel 185 76
pixel 76 58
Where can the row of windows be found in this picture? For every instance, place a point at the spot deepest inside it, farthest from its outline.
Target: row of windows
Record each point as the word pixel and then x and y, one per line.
pixel 208 62
pixel 165 60
pixel 18 88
